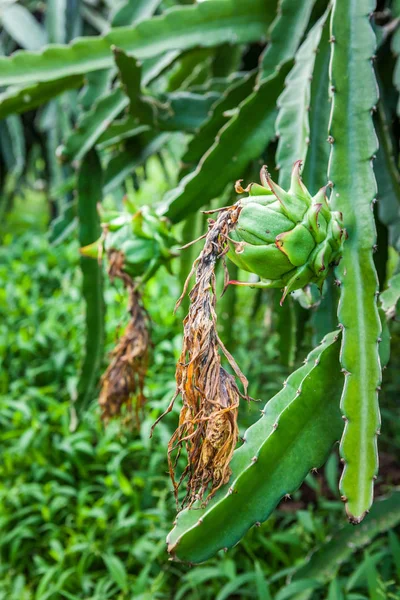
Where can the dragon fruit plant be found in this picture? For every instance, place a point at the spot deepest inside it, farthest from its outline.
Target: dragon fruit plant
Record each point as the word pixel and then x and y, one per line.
pixel 229 85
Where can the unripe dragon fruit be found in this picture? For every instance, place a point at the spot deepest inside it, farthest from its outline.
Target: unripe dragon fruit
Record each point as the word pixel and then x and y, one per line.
pixel 141 240
pixel 289 239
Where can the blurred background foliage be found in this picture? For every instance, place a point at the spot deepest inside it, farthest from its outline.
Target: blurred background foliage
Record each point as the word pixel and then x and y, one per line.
pixel 84 510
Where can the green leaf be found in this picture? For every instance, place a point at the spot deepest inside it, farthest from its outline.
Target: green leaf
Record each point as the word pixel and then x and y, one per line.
pixel 295 587
pixel 206 24
pixel 117 571
pixel 89 189
pixel 294 435
pixel 263 592
pixel 130 11
pixel 64 224
pixel 22 26
pixel 390 297
pixel 285 34
pixel 353 144
pixel 335 591
pixel 20 100
pixel 232 588
pixel 241 140
pixel 56 14
pixel 325 562
pixel 394 544
pixel 292 124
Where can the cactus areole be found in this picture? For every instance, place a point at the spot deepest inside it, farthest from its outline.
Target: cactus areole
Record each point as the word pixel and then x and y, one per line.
pixel 289 239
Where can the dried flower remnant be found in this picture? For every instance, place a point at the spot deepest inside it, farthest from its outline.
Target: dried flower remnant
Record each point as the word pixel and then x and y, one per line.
pixel 207 426
pixel 123 382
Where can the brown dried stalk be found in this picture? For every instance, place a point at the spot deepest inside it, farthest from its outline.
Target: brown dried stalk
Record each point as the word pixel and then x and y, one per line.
pixel 123 381
pixel 210 397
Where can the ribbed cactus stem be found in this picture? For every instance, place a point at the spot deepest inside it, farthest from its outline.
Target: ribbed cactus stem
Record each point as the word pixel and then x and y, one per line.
pixel 353 146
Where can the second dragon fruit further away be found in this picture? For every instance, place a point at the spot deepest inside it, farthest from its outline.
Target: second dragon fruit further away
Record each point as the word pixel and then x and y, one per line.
pixel 289 239
pixel 135 244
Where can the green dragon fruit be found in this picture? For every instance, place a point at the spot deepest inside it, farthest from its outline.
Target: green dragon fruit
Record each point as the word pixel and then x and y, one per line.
pixel 142 240
pixel 289 239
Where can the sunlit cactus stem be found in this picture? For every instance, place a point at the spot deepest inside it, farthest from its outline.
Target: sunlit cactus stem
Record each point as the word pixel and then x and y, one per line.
pixel 289 239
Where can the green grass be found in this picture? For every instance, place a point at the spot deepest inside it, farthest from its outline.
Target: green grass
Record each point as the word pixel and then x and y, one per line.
pixel 84 511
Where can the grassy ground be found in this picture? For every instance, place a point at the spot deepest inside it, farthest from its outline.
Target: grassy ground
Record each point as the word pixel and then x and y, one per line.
pixel 84 512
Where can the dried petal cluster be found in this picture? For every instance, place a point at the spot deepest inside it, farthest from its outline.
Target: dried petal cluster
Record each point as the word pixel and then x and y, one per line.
pixel 123 382
pixel 207 426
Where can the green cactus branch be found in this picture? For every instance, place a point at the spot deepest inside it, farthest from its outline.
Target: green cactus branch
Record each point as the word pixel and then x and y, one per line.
pixel 325 562
pixel 317 156
pixel 234 95
pixel 248 132
pixel 285 34
pixel 354 143
pixel 388 179
pixel 206 24
pixel 295 433
pixel 89 195
pixel 292 124
pixel 20 100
